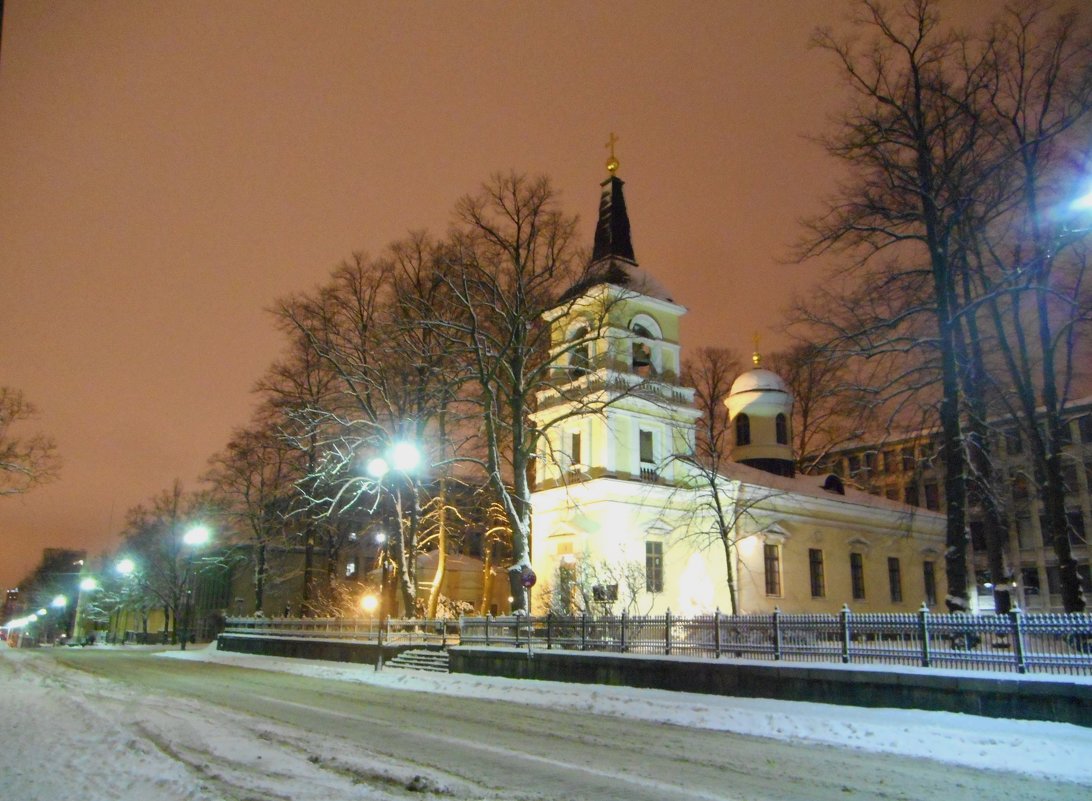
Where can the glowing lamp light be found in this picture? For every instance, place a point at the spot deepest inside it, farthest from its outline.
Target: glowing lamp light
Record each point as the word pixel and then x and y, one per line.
pixel 125 567
pixel 198 535
pixel 406 456
pixel 59 602
pixel 42 612
pixel 369 603
pixel 378 467
pixel 88 584
pixel 1083 203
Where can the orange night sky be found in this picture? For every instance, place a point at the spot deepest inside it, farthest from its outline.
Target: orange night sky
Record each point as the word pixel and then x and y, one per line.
pixel 168 169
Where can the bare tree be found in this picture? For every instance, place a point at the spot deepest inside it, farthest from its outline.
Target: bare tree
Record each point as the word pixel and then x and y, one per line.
pixel 510 257
pixel 917 152
pixel 253 481
pixel 153 538
pixel 25 462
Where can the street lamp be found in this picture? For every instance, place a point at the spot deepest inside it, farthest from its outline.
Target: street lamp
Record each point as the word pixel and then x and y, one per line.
pixel 194 538
pixel 124 568
pixel 402 458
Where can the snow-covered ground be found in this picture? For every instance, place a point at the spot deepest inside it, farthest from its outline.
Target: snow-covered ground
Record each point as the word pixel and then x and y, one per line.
pixel 117 740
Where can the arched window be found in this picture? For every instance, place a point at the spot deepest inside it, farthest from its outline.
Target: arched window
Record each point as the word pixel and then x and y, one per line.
pixel 743 429
pixel 782 430
pixel 579 359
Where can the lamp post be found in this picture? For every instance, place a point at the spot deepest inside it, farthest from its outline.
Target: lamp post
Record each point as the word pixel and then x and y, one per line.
pixel 194 538
pixel 402 458
pixel 124 568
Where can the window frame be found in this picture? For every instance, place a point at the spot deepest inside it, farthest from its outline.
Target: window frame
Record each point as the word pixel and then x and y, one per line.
pixel 856 575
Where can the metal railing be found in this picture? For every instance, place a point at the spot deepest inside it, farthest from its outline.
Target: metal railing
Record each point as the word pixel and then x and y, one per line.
pixel 1016 642
pixel 391 631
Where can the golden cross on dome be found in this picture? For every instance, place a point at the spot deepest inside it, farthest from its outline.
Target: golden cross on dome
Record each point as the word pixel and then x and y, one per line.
pixel 756 357
pixel 612 162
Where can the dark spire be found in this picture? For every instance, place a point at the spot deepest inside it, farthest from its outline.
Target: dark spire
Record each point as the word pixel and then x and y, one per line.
pixel 612 237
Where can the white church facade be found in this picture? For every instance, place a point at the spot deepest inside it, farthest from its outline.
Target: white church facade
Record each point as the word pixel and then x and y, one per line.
pixel 623 519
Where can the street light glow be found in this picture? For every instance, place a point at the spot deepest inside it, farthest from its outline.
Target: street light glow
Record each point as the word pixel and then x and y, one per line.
pixel 369 603
pixel 377 467
pixel 88 584
pixel 1082 203
pixel 406 456
pixel 197 535
pixel 59 602
pixel 125 567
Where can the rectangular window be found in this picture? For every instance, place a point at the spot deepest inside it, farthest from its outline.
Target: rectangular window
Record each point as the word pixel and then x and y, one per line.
pixel 772 558
pixel 856 573
pixel 907 460
pixel 647 454
pixel 1054 580
pixel 574 448
pixel 654 566
pixel 911 495
pixel 929 573
pixel 1084 426
pixel 890 462
pixel 1075 525
pixel 892 493
pixel 932 496
pixel 1029 577
pixel 894 578
pixel 854 464
pixel 350 567
pixel 818 580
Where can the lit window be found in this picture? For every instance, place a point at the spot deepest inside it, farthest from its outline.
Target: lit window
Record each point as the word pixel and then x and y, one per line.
pixel 654 566
pixel 772 558
pixel 350 568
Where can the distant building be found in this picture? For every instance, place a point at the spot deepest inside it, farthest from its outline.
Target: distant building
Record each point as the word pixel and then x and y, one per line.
pixel 906 468
pixel 618 504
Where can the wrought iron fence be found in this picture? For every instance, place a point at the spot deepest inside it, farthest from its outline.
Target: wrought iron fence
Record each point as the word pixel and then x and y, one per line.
pixel 391 631
pixel 1016 642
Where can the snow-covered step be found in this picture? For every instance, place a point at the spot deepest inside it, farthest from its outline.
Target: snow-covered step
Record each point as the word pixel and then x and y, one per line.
pixel 435 661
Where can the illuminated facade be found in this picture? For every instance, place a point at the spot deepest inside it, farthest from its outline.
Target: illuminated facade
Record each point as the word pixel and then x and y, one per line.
pixel 624 521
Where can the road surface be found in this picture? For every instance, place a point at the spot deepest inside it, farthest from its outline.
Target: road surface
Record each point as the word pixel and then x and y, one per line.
pixel 251 735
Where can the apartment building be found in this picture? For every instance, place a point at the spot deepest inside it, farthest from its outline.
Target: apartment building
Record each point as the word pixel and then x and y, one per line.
pixel 907 468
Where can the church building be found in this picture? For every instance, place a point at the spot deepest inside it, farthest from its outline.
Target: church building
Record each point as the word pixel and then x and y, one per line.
pixel 625 520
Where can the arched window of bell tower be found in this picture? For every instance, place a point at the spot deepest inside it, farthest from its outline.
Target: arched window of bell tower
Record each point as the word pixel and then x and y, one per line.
pixel 579 353
pixel 782 424
pixel 645 355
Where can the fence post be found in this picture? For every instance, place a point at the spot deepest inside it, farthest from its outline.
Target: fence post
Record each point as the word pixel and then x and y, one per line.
pixel 716 633
pixel 923 632
pixel 488 617
pixel 777 632
pixel 517 630
pixel 1016 617
pixel 623 631
pixel 549 629
pixel 844 614
pixel 443 632
pixel 584 631
pixel 667 632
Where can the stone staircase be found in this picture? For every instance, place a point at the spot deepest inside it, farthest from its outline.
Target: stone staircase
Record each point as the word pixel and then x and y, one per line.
pixel 433 661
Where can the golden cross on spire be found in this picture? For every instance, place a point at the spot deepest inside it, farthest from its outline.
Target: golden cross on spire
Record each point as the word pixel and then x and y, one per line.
pixel 756 357
pixel 612 162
